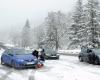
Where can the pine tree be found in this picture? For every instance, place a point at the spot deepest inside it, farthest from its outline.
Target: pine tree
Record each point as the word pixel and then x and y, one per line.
pixel 26 35
pixel 77 27
pixel 51 26
pixel 92 23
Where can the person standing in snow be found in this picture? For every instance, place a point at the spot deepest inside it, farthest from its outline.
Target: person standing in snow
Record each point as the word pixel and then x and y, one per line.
pixel 42 56
pixel 35 53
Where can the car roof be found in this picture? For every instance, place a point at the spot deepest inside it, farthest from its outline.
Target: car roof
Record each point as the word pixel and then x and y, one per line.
pixel 96 50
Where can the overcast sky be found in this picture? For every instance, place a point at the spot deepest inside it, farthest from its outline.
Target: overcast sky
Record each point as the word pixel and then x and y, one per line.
pixel 13 13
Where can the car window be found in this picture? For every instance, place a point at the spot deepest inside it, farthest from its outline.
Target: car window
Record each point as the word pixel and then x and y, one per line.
pixel 84 50
pixel 89 50
pixel 8 51
pixel 20 51
pixel 50 51
pixel 96 51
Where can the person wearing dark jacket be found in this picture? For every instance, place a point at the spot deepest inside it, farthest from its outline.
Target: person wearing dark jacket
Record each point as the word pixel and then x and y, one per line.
pixel 35 53
pixel 42 56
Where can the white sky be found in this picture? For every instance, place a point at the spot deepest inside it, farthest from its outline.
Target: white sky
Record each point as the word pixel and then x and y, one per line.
pixel 13 13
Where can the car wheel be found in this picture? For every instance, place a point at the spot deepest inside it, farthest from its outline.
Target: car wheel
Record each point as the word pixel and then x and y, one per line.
pixel 80 59
pixel 96 62
pixel 13 64
pixel 57 57
pixel 2 62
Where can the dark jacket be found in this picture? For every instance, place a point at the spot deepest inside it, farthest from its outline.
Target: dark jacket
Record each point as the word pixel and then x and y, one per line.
pixel 35 53
pixel 42 56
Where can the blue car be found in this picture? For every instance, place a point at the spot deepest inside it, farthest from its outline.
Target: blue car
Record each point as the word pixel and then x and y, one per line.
pixel 19 58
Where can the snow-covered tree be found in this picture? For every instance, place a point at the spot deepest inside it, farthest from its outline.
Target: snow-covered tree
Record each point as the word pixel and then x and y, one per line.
pixel 16 38
pixel 56 28
pixel 26 35
pixel 92 11
pixel 39 36
pixel 77 27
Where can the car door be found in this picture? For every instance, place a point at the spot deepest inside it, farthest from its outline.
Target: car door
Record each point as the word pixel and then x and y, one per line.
pixel 89 55
pixel 9 57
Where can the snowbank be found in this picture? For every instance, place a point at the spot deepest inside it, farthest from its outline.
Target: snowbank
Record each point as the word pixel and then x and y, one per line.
pixel 74 52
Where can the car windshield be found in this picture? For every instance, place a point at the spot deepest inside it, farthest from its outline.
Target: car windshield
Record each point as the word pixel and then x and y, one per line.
pixel 50 51
pixel 96 51
pixel 20 51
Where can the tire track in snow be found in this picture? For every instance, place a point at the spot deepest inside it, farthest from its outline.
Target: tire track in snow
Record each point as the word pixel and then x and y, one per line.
pixel 5 76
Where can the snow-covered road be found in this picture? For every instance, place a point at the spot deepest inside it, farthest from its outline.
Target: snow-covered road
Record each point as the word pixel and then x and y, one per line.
pixel 67 68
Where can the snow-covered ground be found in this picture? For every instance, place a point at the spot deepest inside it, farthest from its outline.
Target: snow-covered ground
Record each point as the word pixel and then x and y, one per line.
pixel 67 68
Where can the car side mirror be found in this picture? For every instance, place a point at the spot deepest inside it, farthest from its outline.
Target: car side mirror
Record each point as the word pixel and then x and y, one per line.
pixel 11 54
